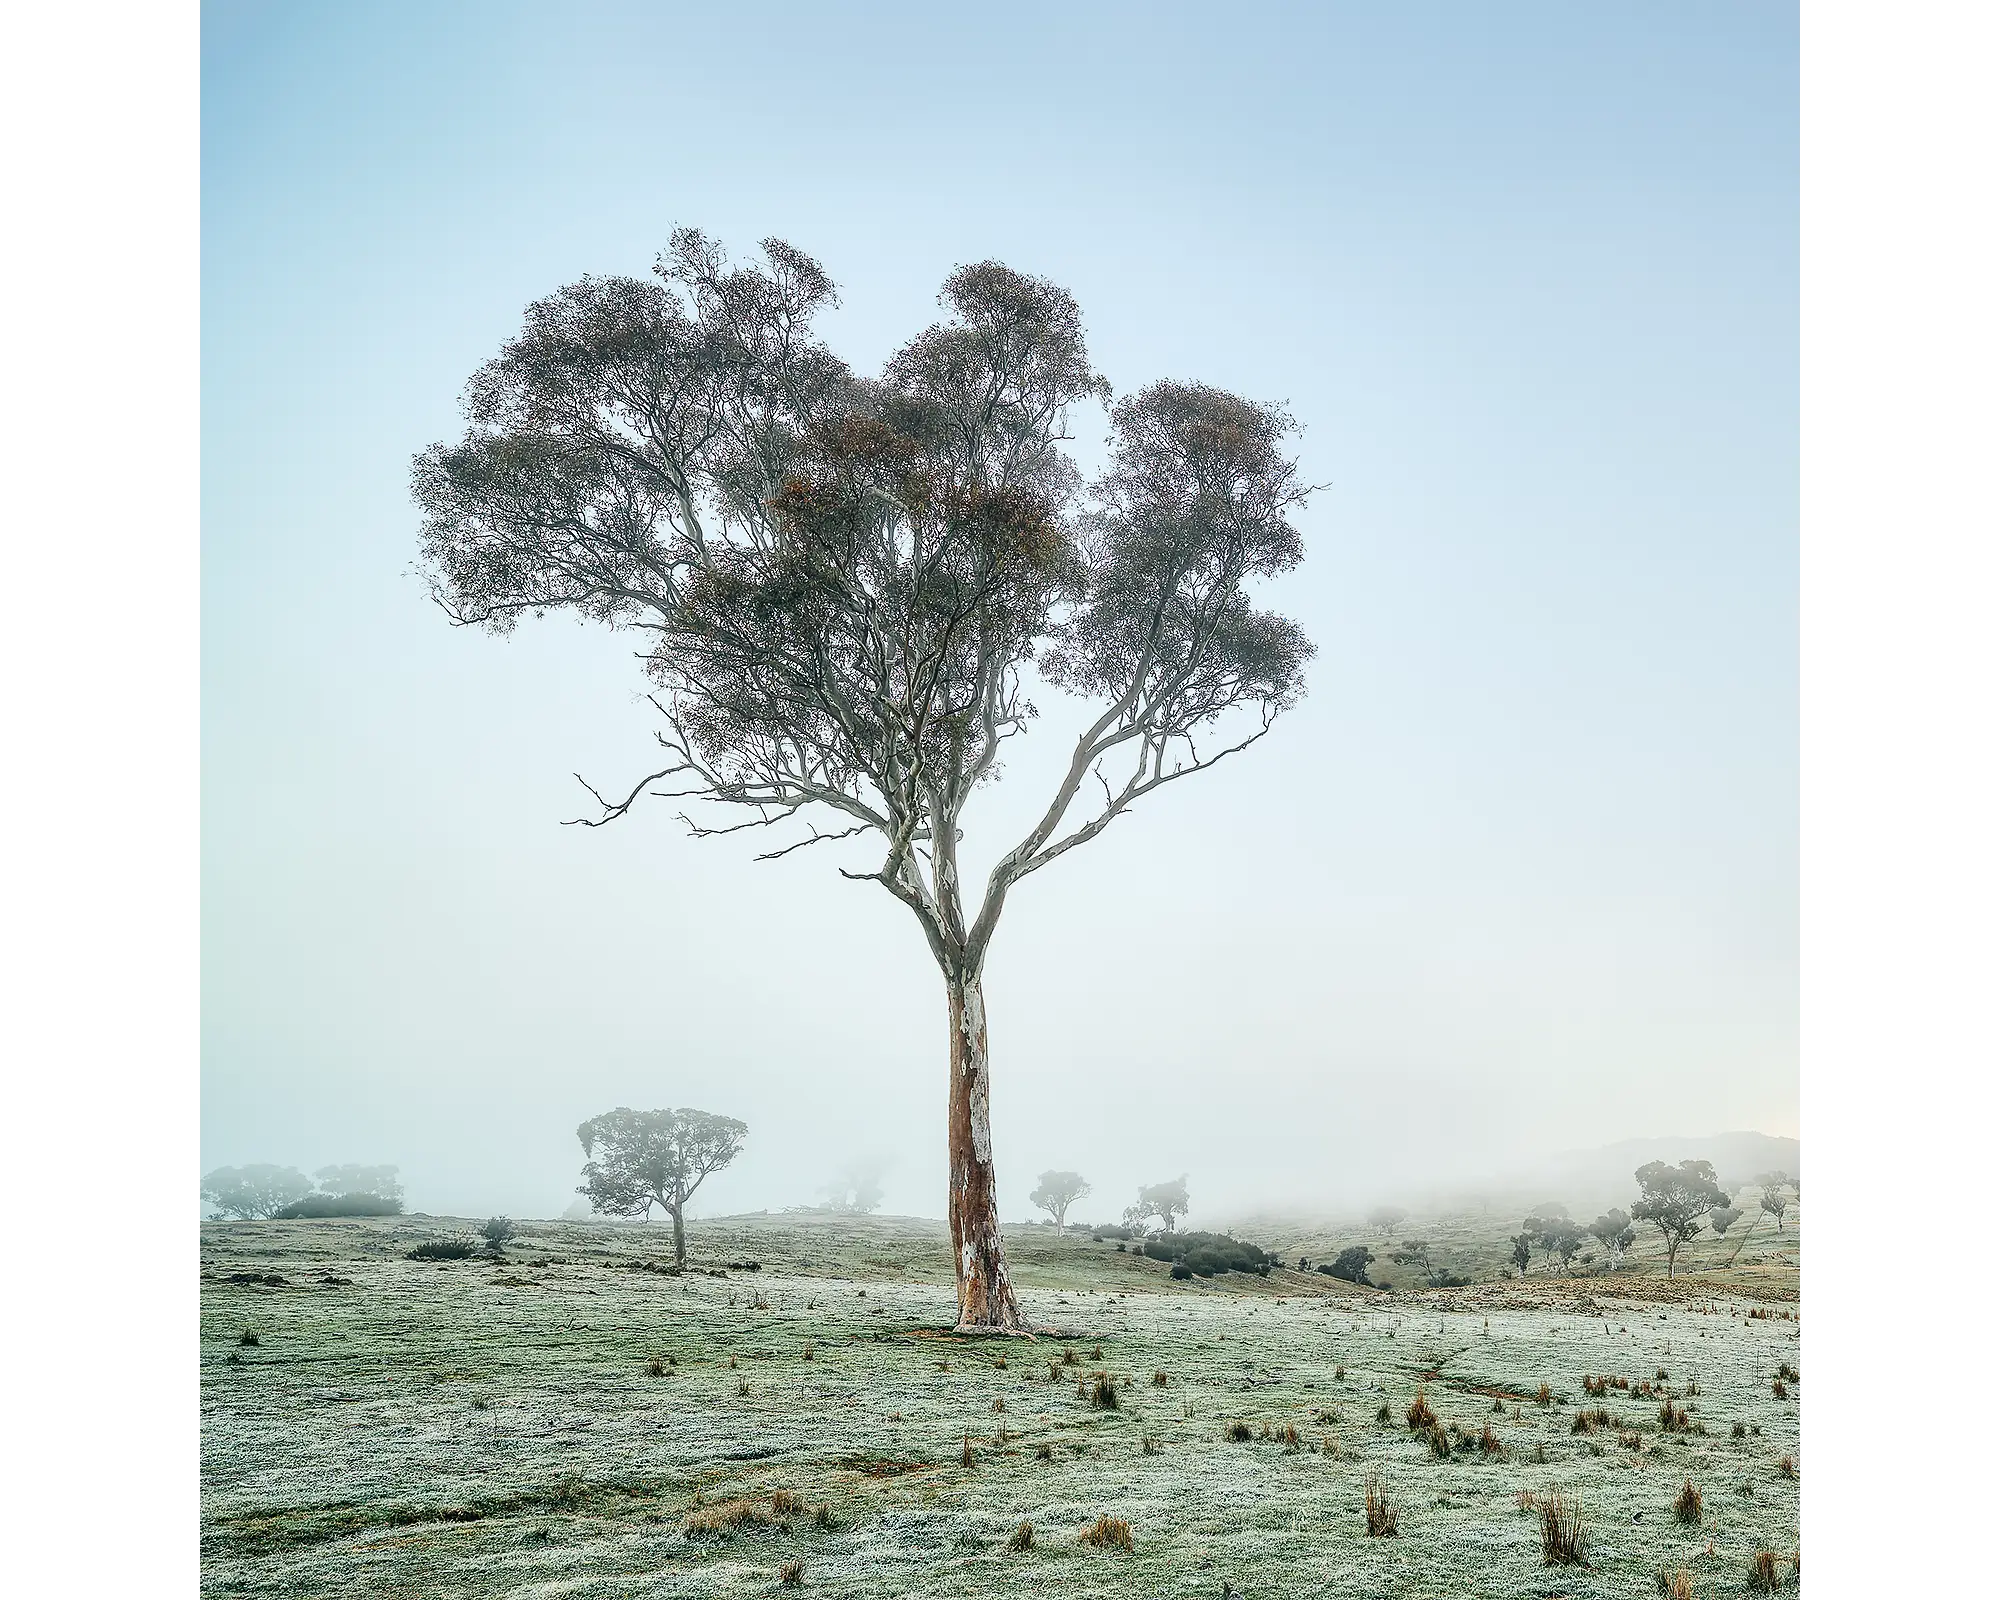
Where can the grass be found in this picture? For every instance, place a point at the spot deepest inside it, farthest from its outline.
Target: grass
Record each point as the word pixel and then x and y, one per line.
pixel 1377 1513
pixel 1565 1540
pixel 345 1453
pixel 1108 1533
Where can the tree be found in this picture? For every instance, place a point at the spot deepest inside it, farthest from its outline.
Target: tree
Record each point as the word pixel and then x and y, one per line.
pixel 1559 1238
pixel 1552 1208
pixel 858 1191
pixel 1522 1250
pixel 1388 1218
pixel 655 1158
pixel 353 1178
pixel 257 1190
pixel 1056 1192
pixel 1162 1200
pixel 1351 1264
pixel 1613 1230
pixel 497 1231
pixel 1676 1200
pixel 1414 1253
pixel 1723 1218
pixel 1772 1199
pixel 839 585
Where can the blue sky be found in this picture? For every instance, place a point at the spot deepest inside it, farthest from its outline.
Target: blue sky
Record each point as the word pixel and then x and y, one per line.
pixel 1520 874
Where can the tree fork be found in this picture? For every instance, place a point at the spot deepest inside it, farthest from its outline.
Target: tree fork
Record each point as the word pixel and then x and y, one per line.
pixel 986 1302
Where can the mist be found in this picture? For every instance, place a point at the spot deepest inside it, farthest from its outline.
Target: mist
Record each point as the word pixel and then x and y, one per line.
pixel 1518 878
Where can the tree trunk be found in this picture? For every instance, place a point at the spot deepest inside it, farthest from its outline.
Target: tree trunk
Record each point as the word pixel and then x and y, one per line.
pixel 985 1292
pixel 680 1239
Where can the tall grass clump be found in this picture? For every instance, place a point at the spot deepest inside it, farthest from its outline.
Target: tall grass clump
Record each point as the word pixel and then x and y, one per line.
pixel 1764 1577
pixel 1022 1538
pixel 792 1574
pixel 1687 1504
pixel 1380 1514
pixel 1565 1541
pixel 1103 1393
pixel 1107 1532
pixel 1677 1584
pixel 1420 1416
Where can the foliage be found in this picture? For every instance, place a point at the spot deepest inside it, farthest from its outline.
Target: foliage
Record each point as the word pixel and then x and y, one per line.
pixel 1351 1264
pixel 1613 1230
pixel 497 1232
pixel 1056 1192
pixel 1521 1249
pixel 258 1190
pixel 1388 1218
pixel 1163 1200
pixel 1556 1237
pixel 459 1248
pixel 341 1205
pixel 1676 1200
pixel 1206 1254
pixel 642 1159
pixel 355 1178
pixel 1723 1218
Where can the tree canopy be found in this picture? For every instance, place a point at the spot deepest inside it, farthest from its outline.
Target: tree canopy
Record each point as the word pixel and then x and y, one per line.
pixel 258 1190
pixel 1677 1200
pixel 357 1178
pixel 1162 1200
pixel 641 1159
pixel 1056 1192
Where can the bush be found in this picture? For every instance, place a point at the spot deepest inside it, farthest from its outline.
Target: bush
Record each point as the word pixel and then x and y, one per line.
pixel 1112 1232
pixel 497 1231
pixel 340 1205
pixel 1181 1269
pixel 1206 1254
pixel 458 1249
pixel 1351 1264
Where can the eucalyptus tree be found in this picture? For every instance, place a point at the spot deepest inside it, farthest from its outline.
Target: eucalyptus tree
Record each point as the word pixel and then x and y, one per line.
pixel 1056 1192
pixel 841 586
pixel 1676 1200
pixel 640 1159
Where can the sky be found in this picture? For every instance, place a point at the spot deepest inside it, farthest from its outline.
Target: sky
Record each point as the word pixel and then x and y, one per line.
pixel 1518 876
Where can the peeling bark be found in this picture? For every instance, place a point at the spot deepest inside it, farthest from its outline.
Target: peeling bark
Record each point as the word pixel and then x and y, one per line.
pixel 985 1292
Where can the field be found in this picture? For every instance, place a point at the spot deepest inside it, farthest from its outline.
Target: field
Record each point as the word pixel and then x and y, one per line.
pixel 577 1423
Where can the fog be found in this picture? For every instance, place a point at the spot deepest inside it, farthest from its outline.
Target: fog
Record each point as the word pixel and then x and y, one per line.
pixel 1518 878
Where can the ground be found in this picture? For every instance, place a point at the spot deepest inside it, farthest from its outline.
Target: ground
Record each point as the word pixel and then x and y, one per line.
pixel 473 1428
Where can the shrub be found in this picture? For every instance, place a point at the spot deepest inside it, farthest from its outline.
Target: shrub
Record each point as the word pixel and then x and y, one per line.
pixel 1206 1254
pixel 340 1205
pixel 1045 1451
pixel 1420 1416
pixel 1351 1264
pixel 461 1248
pixel 1022 1538
pixel 1565 1542
pixel 1181 1270
pixel 1114 1532
pixel 497 1231
pixel 1380 1514
pixel 792 1574
pixel 1687 1504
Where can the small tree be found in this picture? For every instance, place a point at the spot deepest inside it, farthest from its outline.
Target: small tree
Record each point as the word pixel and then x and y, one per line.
pixel 655 1158
pixel 1561 1239
pixel 257 1190
pixel 1351 1264
pixel 497 1231
pixel 1522 1250
pixel 1056 1192
pixel 354 1178
pixel 1163 1200
pixel 1723 1218
pixel 1613 1230
pixel 1414 1253
pixel 1772 1200
pixel 1676 1200
pixel 1388 1219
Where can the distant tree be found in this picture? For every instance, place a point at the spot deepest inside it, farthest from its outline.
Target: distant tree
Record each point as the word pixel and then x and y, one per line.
pixel 1388 1218
pixel 654 1158
pixel 856 1192
pixel 1056 1192
pixel 1772 1200
pixel 843 587
pixel 1351 1264
pixel 353 1178
pixel 257 1190
pixel 1723 1218
pixel 1522 1249
pixel 1557 1238
pixel 1163 1200
pixel 1676 1200
pixel 1613 1230
pixel 497 1231
pixel 1552 1208
pixel 1414 1253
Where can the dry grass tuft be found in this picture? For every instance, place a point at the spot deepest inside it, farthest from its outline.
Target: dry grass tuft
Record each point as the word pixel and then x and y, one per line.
pixel 999 1405
pixel 1159 1380
pixel 656 1368
pixel 1787 1467
pixel 1673 1418
pixel 1677 1584
pixel 1376 1508
pixel 1543 1395
pixel 743 1388
pixel 1000 1362
pixel 1103 1393
pixel 1022 1538
pixel 1595 1387
pixel 965 1456
pixel 1237 1432
pixel 792 1574
pixel 1071 1359
pixel 1565 1542
pixel 1045 1451
pixel 1526 1500
pixel 786 1504
pixel 1107 1531
pixel 808 1351
pixel 1382 1415
pixel 1591 1421
pixel 1541 1455
pixel 1764 1572
pixel 1291 1438
pixel 1420 1416
pixel 1440 1443
pixel 248 1337
pixel 1687 1504
pixel 1779 1391
pixel 1489 1442
pixel 732 1516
